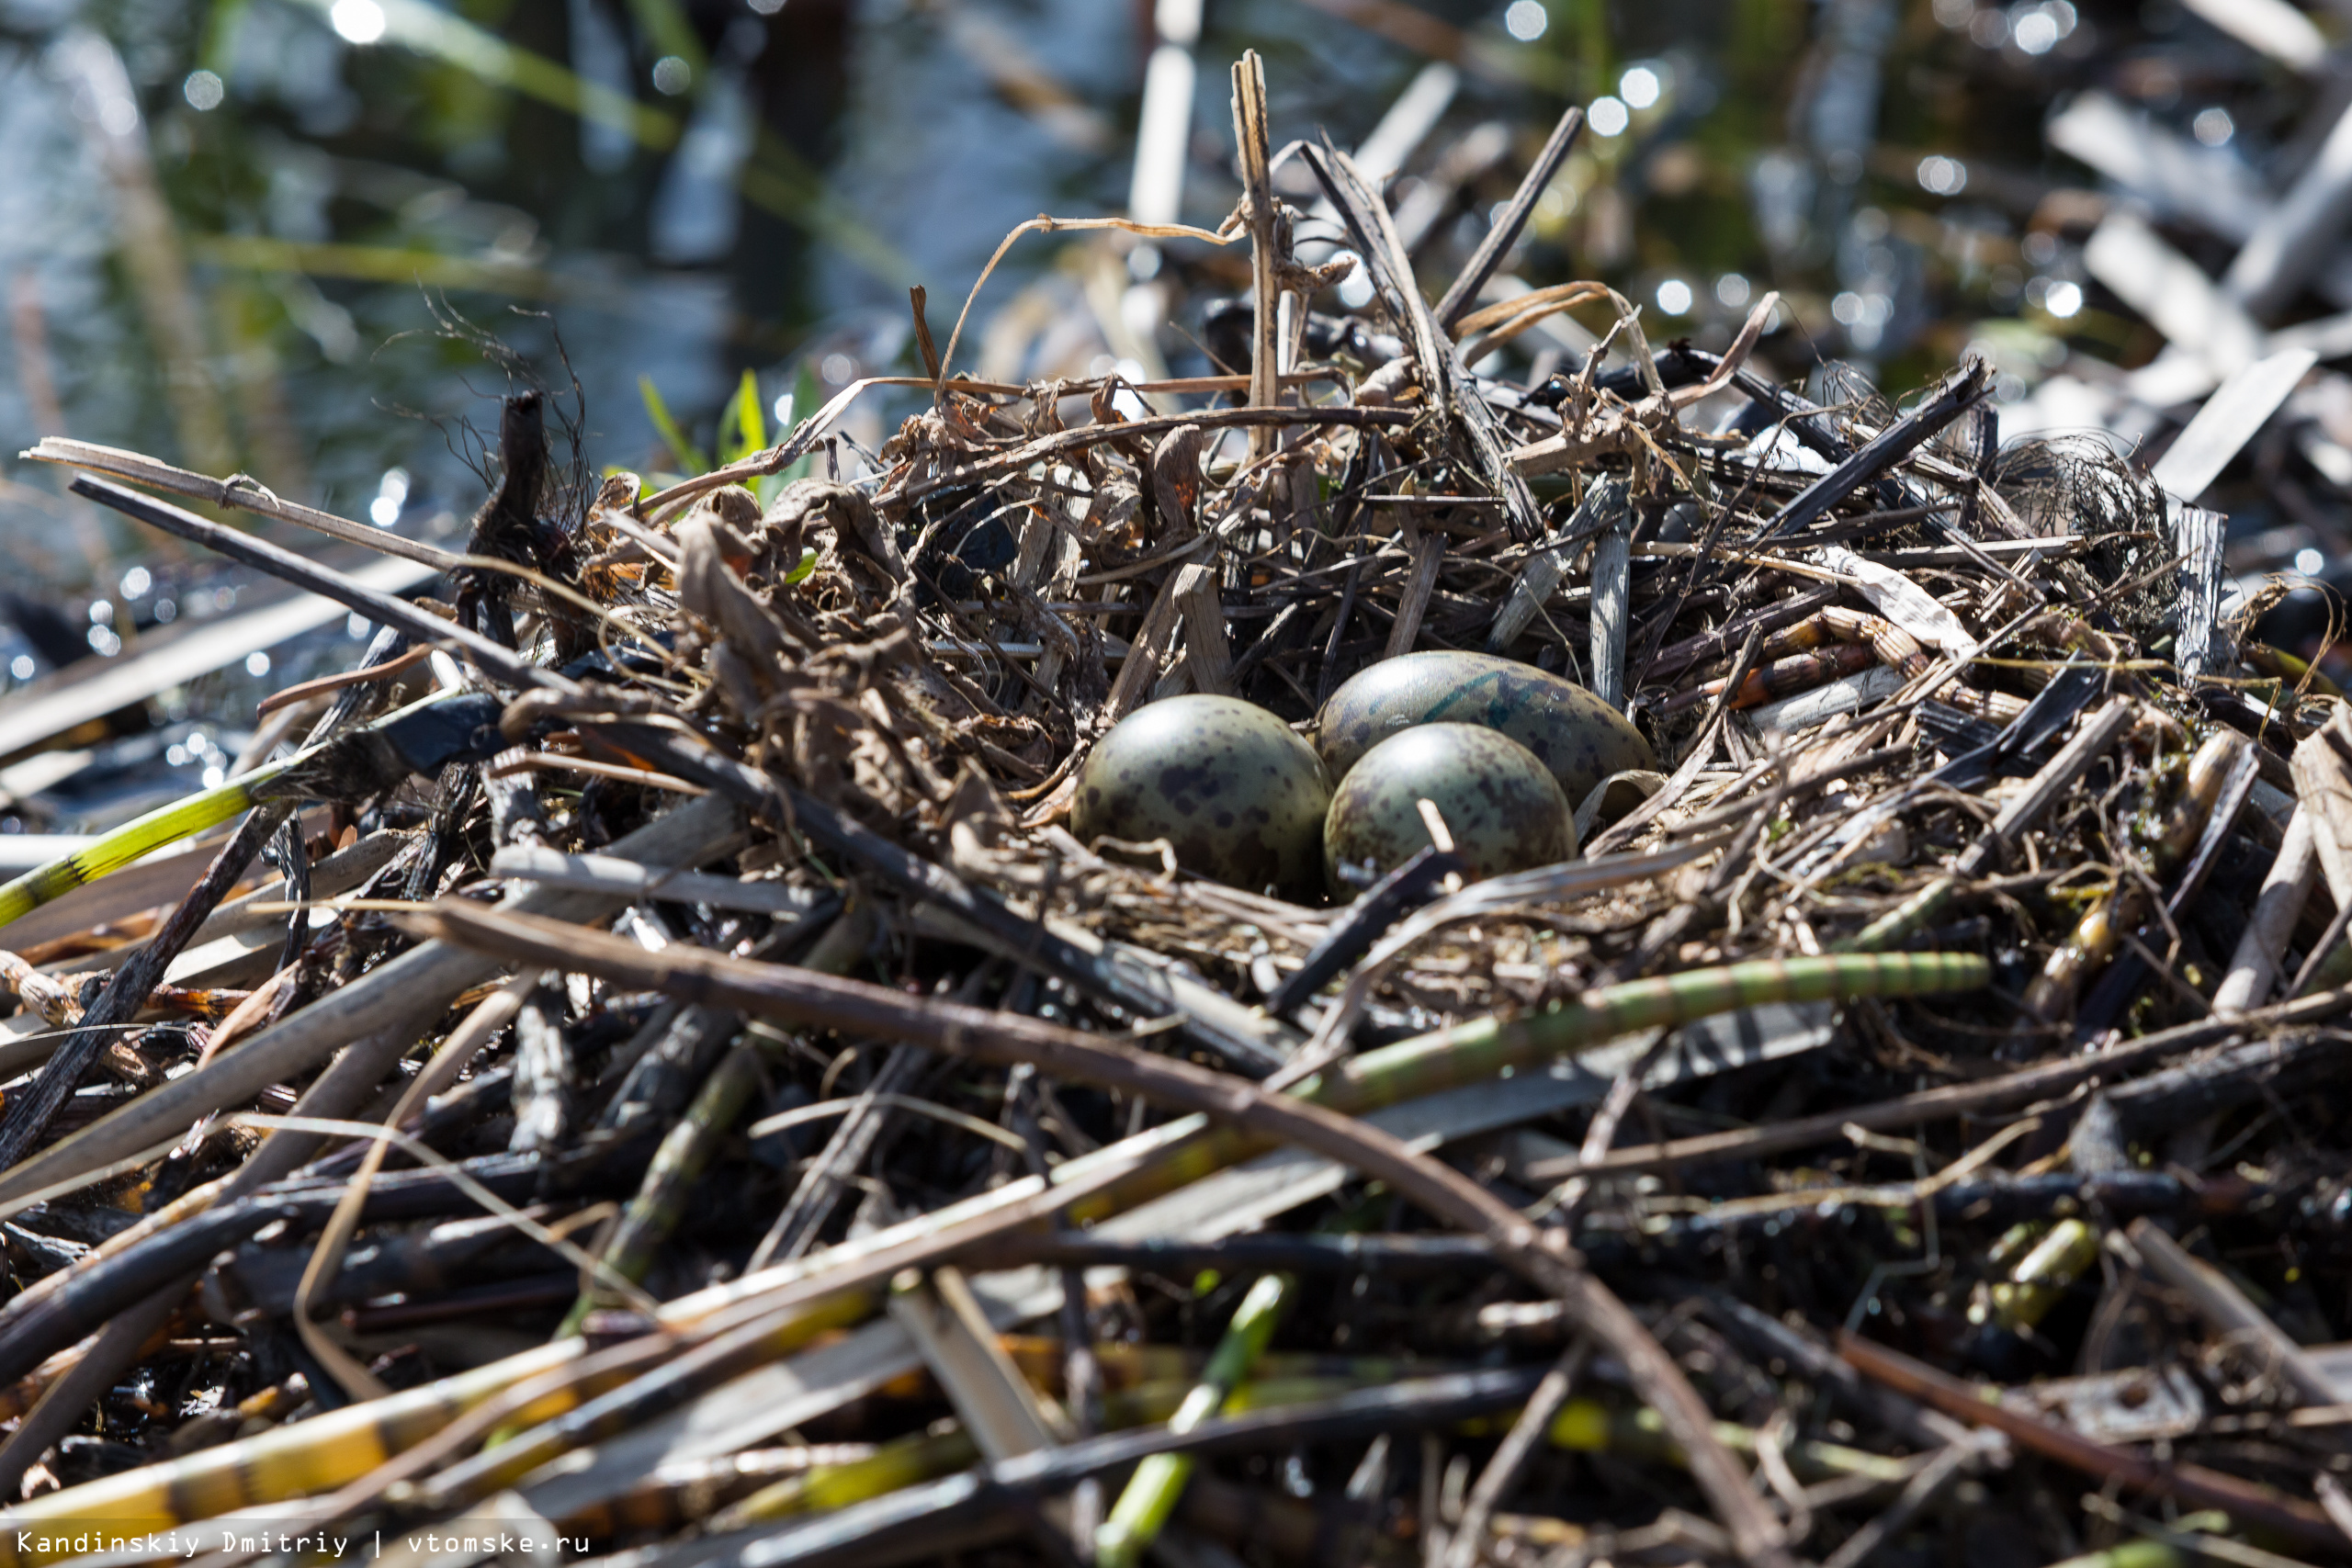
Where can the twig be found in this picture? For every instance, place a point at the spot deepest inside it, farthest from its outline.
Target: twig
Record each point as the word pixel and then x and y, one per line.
pixel 2244 1501
pixel 1503 232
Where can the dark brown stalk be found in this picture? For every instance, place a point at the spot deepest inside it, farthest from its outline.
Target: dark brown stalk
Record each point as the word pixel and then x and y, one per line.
pixel 29 1111
pixel 813 1000
pixel 2246 1503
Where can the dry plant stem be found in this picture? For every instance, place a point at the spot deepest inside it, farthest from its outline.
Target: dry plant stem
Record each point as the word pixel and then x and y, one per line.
pixel 2246 1503
pixel 27 1114
pixel 501 663
pixel 1961 389
pixel 2018 1088
pixel 494 1013
pixel 1258 201
pixel 1504 231
pixel 814 1000
pixel 306 690
pixel 1225 233
pixel 1511 1455
pixel 240 493
pixel 2253 967
pixel 2227 1311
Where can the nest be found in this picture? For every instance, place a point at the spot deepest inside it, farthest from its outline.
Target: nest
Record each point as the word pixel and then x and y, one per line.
pixel 709 1106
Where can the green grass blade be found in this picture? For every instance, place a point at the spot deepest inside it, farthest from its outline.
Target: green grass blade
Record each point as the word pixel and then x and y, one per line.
pixel 749 422
pixel 683 450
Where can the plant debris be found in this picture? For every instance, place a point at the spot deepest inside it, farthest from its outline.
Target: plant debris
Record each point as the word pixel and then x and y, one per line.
pixel 688 1093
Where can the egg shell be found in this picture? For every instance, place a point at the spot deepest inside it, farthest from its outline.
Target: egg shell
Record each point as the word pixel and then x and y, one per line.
pixel 1579 738
pixel 1236 795
pixel 1504 808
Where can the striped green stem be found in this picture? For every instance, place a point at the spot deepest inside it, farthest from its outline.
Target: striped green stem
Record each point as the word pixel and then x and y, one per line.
pixel 1158 1484
pixel 138 837
pixel 661 1200
pixel 1446 1058
pixel 334 1448
pixel 1913 914
pixel 165 824
pixel 1469 1053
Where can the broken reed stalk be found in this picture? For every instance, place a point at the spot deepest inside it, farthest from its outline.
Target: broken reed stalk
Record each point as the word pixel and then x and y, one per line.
pixel 352 767
pixel 1479 1050
pixel 1157 1486
pixel 2193 1483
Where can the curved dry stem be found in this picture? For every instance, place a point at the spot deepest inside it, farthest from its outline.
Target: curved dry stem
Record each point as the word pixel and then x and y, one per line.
pixel 1225 234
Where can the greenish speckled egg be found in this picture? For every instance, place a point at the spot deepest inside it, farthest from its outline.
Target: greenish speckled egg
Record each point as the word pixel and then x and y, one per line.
pixel 1239 796
pixel 1579 738
pixel 1504 808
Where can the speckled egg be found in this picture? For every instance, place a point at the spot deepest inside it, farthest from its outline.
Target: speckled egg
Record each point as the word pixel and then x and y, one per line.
pixel 1237 794
pixel 1504 808
pixel 1579 738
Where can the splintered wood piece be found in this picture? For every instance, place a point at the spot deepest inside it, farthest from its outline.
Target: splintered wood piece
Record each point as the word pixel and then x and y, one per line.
pixel 2197 541
pixel 1420 581
pixel 1249 134
pixel 2323 769
pixel 1611 608
pixel 1146 655
pixel 1547 564
pixel 961 1348
pixel 2253 967
pixel 1207 655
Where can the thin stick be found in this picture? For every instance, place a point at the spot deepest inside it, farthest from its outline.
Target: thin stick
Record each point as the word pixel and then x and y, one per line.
pixel 2245 1502
pixel 1511 1455
pixel 239 493
pixel 303 691
pixel 1504 231
pixel 263 555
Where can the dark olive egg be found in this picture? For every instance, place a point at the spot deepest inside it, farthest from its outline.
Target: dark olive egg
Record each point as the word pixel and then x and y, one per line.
pixel 1503 808
pixel 1579 738
pixel 1239 796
